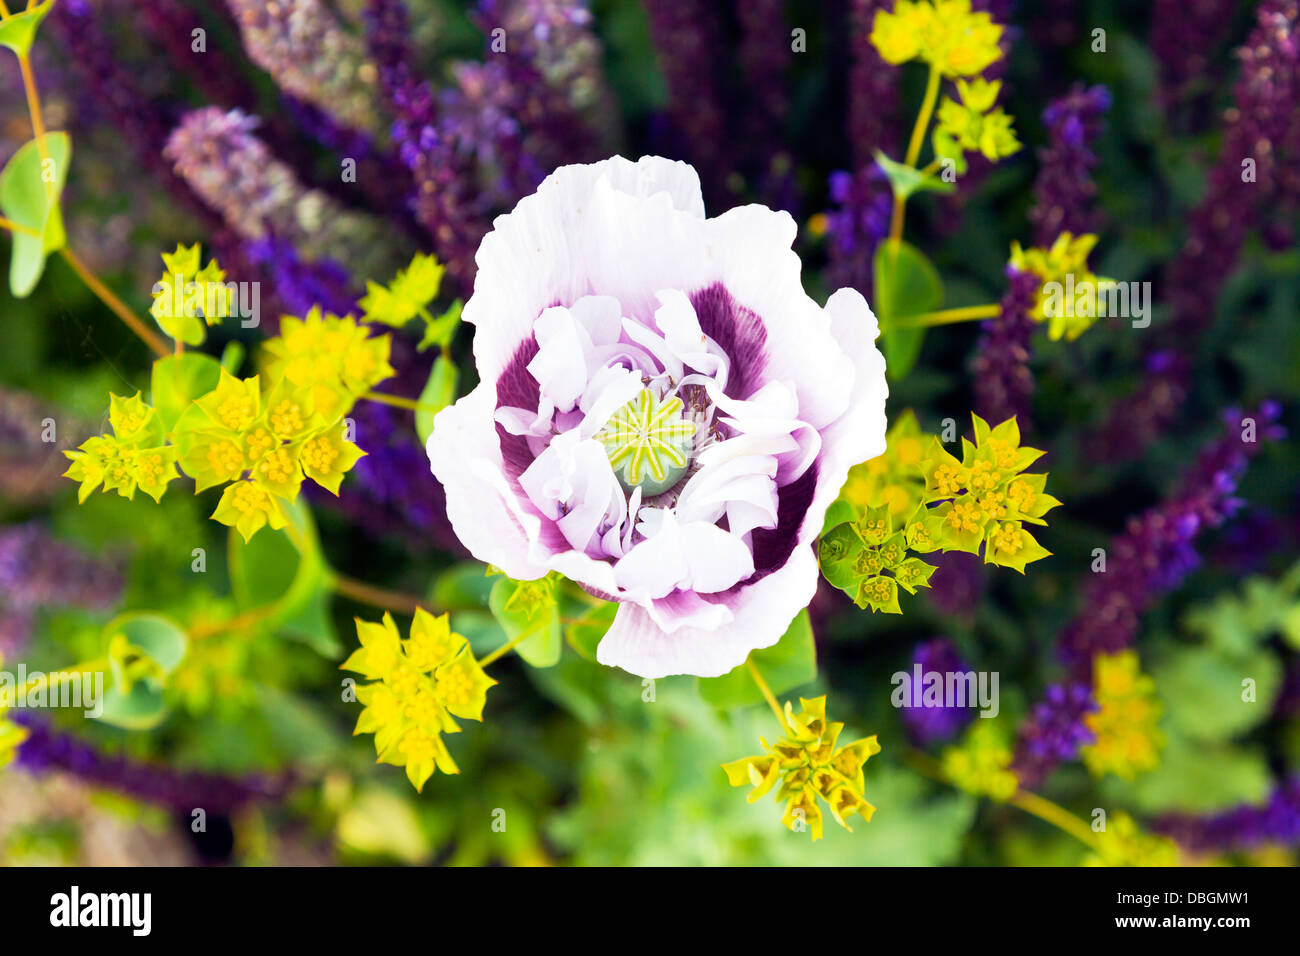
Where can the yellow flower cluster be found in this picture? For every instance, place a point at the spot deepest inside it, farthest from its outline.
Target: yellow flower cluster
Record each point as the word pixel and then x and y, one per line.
pixel 944 33
pixel 1123 843
pixel 264 446
pixel 419 685
pixel 1069 309
pixel 1127 740
pixel 979 764
pixel 333 357
pixel 985 498
pixel 808 766
pixel 974 125
pixel 894 478
pixel 134 457
pixel 187 293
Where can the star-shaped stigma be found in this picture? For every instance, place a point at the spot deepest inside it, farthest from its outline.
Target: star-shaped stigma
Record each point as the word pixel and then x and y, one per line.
pixel 648 443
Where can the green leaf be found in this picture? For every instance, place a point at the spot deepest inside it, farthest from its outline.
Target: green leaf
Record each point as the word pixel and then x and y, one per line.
pixel 140 703
pixel 906 283
pixel 156 637
pixel 839 512
pixel 270 570
pixel 586 632
pixel 837 553
pixel 24 199
pixel 462 585
pixel 18 32
pixel 787 664
pixel 1197 777
pixel 906 180
pixel 529 607
pixel 1203 692
pixel 143 707
pixel 439 392
pixel 178 380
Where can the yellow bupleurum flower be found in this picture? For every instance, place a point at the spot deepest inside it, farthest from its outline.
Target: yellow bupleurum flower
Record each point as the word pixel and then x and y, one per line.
pixel 186 293
pixel 1123 843
pixel 984 499
pixel 809 767
pixel 132 458
pixel 333 357
pixel 893 478
pixel 981 762
pixel 974 125
pixel 1068 297
pixel 327 456
pixel 410 292
pixel 234 404
pixel 248 507
pixel 947 34
pixel 1127 740
pixel 418 685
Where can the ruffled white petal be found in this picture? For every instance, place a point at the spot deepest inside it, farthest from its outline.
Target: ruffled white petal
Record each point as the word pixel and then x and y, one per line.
pixel 617 228
pixel 761 614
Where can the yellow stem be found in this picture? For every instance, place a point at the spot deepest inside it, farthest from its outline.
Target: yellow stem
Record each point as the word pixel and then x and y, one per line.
pixel 4 11
pixel 1026 800
pixel 767 693
pixel 923 118
pixel 116 305
pixel 236 623
pixel 18 227
pixel 1056 815
pixel 398 401
pixel 34 110
pixel 945 317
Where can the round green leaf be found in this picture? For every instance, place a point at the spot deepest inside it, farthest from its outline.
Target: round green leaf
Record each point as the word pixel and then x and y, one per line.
pixel 906 283
pixel 26 199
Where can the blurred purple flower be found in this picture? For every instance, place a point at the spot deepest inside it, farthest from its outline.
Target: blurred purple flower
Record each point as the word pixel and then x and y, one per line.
pixel 1262 125
pixel 933 724
pixel 1275 823
pixel 1003 382
pixel 1053 732
pixel 47 751
pixel 873 89
pixel 688 44
pixel 1064 189
pixel 856 224
pixel 39 571
pixel 309 54
pixel 1153 555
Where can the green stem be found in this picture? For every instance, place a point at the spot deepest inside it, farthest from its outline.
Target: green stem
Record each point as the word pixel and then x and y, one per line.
pixel 507 647
pixel 56 678
pixel 914 148
pixel 398 401
pixel 945 317
pixel 767 693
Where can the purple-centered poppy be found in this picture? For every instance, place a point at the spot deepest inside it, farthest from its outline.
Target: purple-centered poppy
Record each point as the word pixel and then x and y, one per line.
pixel 663 414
